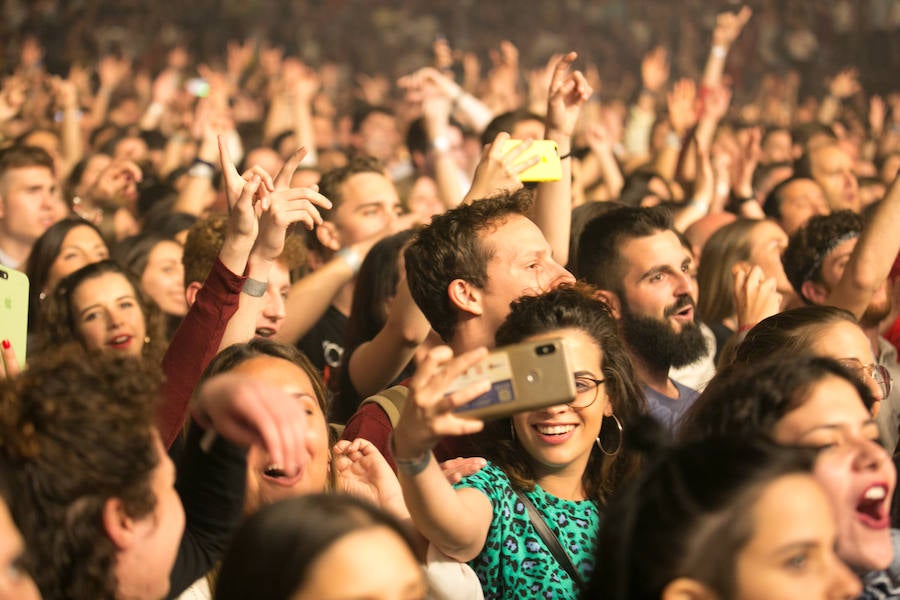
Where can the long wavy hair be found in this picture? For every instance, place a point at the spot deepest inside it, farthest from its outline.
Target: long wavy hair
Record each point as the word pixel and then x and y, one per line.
pixel 575 307
pixel 59 324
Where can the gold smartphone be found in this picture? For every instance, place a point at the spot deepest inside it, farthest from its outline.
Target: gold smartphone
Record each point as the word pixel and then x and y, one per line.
pixel 14 310
pixel 548 167
pixel 525 376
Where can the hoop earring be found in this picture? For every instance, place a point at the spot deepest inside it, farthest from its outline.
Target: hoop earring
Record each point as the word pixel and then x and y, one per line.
pixel 621 433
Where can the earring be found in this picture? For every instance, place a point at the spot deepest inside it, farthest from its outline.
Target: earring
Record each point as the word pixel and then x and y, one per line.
pixel 146 339
pixel 621 432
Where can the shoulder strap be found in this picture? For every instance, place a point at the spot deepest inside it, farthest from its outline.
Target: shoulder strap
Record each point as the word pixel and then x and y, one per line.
pixel 550 540
pixel 391 401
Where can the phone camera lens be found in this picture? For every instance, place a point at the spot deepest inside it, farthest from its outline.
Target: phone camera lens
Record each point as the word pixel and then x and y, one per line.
pixel 545 349
pixel 4 275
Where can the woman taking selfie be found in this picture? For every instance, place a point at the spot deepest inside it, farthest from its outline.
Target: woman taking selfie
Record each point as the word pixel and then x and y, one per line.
pixel 552 456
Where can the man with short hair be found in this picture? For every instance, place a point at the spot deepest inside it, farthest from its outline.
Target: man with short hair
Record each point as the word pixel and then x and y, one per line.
pixel 365 206
pixel 832 168
pixel 30 201
pixel 816 261
pixel 793 201
pixel 646 275
pixel 464 270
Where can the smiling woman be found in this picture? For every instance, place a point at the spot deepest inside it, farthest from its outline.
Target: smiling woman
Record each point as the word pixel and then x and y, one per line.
pixel 103 308
pixel 566 460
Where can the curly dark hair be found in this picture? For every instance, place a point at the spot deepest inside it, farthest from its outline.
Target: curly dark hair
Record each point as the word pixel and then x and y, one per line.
pixel 809 246
pixel 749 400
pixel 59 323
pixel 688 514
pixel 76 431
pixel 575 307
pixel 451 248
pixel 205 239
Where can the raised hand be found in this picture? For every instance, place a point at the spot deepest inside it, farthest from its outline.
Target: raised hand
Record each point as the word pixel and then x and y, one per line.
pixel 755 296
pixel 285 206
pixel 655 70
pixel 568 92
pixel 682 105
pixel 249 412
pixel 111 71
pixel 498 169
pixel 844 84
pixel 360 470
pixel 729 26
pixel 428 412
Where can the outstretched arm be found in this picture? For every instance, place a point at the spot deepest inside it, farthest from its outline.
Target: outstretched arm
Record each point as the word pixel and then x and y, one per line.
pixel 455 521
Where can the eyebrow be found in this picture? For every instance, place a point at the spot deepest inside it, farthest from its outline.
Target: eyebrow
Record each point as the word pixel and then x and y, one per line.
pixel 96 304
pixel 834 426
pixel 375 204
pixel 585 374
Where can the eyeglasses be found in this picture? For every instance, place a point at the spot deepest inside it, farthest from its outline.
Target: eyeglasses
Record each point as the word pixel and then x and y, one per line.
pixel 875 372
pixel 585 390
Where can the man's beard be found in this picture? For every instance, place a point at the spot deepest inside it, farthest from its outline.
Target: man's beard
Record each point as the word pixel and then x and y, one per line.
pixel 655 341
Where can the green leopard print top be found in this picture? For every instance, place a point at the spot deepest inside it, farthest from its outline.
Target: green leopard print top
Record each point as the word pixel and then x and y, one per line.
pixel 514 562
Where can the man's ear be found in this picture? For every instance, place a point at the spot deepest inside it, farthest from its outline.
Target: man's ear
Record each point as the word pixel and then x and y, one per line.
pixel 190 292
pixel 814 292
pixel 329 236
pixel 118 525
pixel 465 296
pixel 685 588
pixel 612 301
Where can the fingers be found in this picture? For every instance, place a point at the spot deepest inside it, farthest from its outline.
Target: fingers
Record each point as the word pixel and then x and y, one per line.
pixel 228 168
pixel 264 176
pixel 283 178
pixel 245 200
pixel 297 205
pixel 10 361
pixel 457 468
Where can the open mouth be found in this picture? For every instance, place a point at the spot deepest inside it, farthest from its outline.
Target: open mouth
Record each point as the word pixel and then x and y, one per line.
pixel 871 507
pixel 264 332
pixel 119 342
pixel 277 475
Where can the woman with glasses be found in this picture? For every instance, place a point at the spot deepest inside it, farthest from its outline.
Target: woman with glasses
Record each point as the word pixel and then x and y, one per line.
pixel 565 460
pixel 824 331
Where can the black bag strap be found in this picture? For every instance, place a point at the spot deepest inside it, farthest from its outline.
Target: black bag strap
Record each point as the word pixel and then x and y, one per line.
pixel 550 540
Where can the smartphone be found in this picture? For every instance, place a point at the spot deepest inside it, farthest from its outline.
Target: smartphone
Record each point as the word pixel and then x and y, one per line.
pixel 197 87
pixel 523 377
pixel 548 167
pixel 14 310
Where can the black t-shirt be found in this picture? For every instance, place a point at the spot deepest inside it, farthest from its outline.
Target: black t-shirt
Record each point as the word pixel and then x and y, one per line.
pixel 324 344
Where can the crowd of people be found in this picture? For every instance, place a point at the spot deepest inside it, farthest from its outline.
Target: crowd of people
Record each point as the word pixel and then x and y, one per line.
pixel 261 258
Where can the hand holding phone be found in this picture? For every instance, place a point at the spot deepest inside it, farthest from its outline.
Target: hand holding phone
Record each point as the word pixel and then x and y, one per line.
pixel 526 376
pixel 545 156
